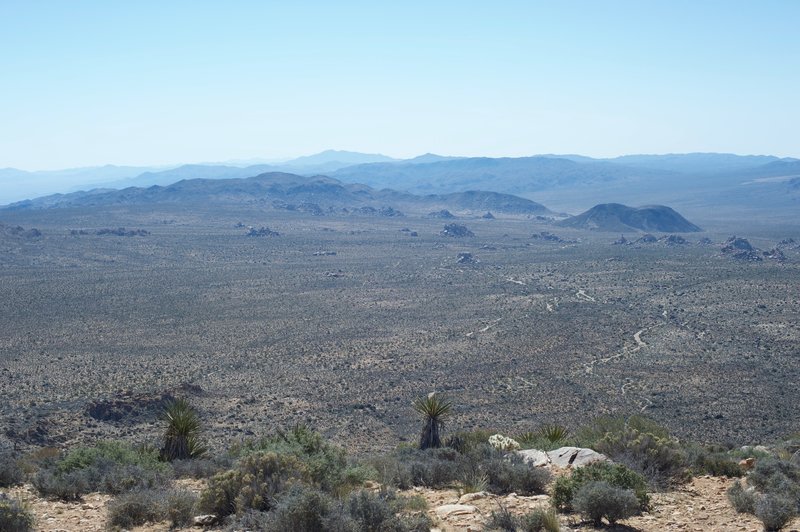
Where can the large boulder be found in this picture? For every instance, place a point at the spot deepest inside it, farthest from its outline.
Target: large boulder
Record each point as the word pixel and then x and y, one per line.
pixel 534 457
pixel 565 457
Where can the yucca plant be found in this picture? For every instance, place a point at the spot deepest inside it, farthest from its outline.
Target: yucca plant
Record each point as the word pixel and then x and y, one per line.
pixel 433 408
pixel 182 435
pixel 554 433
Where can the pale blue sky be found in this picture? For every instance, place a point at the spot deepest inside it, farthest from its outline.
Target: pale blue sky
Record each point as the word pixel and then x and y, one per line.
pixel 161 82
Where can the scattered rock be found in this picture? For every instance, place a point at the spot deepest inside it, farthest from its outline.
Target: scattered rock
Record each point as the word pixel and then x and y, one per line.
pixel 466 258
pixel 390 212
pixel 470 497
pixel 205 520
pixel 646 238
pixel 747 256
pixel 456 230
pixel 443 214
pixel 20 232
pixel 775 254
pixel 450 510
pixel 621 241
pixel 675 240
pixel 705 241
pixel 735 243
pixel 127 407
pixel 121 231
pixel 263 231
pixel 550 237
pixel 748 463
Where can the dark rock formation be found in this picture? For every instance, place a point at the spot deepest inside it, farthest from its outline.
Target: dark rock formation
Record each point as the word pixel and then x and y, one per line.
pixel 263 231
pixel 456 230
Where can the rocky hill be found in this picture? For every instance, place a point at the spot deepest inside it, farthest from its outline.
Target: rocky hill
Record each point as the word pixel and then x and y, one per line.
pixel 617 217
pixel 286 189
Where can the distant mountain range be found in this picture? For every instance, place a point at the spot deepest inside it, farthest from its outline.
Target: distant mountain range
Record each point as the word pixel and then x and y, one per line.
pixel 317 195
pixel 698 183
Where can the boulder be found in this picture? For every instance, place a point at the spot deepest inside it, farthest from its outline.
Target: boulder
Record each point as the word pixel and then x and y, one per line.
pixel 466 258
pixel 444 214
pixel 456 230
pixel 565 457
pixel 450 510
pixel 469 497
pixel 205 520
pixel 735 243
pixel 534 457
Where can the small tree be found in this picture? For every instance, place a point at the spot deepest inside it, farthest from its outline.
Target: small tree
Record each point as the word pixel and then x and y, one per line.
pixel 433 409
pixel 182 435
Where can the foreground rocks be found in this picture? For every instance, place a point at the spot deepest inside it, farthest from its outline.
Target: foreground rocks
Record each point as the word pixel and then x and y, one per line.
pixel 699 506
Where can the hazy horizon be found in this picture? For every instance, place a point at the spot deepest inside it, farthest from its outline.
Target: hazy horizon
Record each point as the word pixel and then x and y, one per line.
pixel 151 84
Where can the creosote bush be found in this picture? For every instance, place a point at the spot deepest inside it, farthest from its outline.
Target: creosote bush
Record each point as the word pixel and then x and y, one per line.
pixel 324 462
pixel 773 494
pixel 253 485
pixel 14 515
pixel 742 499
pixel 538 520
pixel 599 499
pixel 775 511
pixel 642 445
pixel 11 474
pixel 138 507
pixel 108 467
pixel 616 475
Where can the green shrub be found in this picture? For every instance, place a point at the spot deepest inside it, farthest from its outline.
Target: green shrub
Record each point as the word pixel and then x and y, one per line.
pixel 657 457
pixel 109 467
pixel 539 520
pixel 775 511
pixel 502 521
pixel 301 509
pixel 253 485
pixel 598 499
pixel 705 461
pixel 775 475
pixel 510 474
pixel 616 475
pixel 372 511
pixel 14 515
pixel 180 507
pixel 198 468
pixel 11 474
pixel 324 462
pixel 182 433
pixel 743 500
pixel 465 442
pixel 67 487
pixel 136 508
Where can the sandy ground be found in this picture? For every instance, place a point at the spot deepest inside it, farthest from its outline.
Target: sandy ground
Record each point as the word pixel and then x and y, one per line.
pixel 699 506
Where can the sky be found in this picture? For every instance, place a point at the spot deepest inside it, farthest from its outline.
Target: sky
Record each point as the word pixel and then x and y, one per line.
pixel 165 82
